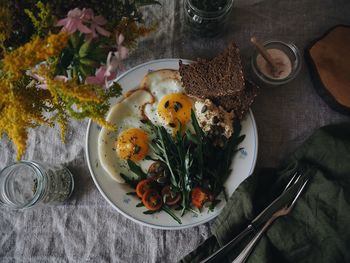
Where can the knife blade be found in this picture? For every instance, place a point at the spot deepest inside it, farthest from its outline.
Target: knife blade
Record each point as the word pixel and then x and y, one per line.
pixel 283 199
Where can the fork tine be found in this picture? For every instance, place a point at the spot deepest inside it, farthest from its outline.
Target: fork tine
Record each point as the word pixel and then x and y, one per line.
pixel 298 194
pixel 294 179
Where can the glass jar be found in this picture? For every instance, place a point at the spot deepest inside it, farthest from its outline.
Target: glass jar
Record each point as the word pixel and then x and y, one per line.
pixel 27 183
pixel 291 52
pixel 206 23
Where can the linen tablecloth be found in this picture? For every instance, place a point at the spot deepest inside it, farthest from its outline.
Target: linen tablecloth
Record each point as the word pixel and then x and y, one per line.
pixel 87 228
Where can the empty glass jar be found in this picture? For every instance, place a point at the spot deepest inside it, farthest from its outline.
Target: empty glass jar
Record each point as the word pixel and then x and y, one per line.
pixel 27 183
pixel 207 18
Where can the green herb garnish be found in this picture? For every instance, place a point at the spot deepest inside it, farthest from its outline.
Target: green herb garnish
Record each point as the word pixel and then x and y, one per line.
pixel 168 210
pixel 140 204
pixel 192 158
pixel 136 170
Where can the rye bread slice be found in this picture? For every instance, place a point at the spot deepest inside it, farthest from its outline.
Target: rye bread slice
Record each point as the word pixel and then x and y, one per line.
pixel 220 76
pixel 239 103
pixel 221 80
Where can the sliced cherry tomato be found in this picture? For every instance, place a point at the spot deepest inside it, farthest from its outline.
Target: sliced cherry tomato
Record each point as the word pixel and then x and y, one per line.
pixel 169 196
pixel 157 168
pixel 152 200
pixel 143 186
pixel 199 197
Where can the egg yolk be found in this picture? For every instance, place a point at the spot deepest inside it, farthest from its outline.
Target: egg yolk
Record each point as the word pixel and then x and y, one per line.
pixel 132 144
pixel 175 109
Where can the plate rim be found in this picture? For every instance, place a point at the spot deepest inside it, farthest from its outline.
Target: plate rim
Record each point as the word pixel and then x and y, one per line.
pixel 92 174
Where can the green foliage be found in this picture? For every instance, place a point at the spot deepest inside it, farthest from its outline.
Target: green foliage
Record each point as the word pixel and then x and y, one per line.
pixel 44 19
pixel 194 158
pixel 81 56
pixel 80 109
pixel 35 51
pixel 136 170
pixel 113 10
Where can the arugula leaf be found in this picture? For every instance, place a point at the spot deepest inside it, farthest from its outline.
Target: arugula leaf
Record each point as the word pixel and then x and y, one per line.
pixel 149 212
pixel 196 126
pixel 199 151
pixel 131 182
pixel 228 152
pixel 213 204
pixel 192 137
pixel 167 209
pixel 140 204
pixel 136 170
pixel 192 159
pixel 166 144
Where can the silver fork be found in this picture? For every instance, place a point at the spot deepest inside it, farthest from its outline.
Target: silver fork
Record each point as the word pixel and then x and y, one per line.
pixel 249 229
pixel 243 256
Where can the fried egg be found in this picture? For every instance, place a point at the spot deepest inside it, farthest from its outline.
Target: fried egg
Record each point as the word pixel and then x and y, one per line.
pixel 159 99
pixel 129 140
pixel 171 107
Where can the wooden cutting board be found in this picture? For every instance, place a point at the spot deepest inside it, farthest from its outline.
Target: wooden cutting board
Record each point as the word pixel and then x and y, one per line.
pixel 329 62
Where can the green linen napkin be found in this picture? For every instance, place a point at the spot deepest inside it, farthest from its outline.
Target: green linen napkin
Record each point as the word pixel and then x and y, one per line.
pixel 318 229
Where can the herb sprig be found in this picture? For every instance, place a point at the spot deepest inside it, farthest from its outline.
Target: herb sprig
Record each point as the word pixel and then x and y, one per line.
pixel 193 159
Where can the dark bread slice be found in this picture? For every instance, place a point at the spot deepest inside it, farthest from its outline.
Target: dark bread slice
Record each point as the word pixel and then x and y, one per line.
pixel 221 80
pixel 239 103
pixel 220 76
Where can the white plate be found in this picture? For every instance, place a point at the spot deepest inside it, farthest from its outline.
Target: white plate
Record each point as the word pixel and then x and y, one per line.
pixel 242 166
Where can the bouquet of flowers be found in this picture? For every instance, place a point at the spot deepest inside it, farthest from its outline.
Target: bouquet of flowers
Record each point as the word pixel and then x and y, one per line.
pixel 62 68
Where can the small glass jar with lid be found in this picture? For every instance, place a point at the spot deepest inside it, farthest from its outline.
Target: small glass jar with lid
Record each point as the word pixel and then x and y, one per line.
pixel 287 59
pixel 27 183
pixel 207 18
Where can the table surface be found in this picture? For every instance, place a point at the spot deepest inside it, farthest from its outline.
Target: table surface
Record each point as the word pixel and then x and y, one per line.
pixel 87 228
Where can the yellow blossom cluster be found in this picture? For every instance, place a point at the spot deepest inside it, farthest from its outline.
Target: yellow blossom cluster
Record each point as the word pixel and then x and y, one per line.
pixel 20 109
pixel 33 52
pixel 70 88
pixel 42 98
pixel 22 106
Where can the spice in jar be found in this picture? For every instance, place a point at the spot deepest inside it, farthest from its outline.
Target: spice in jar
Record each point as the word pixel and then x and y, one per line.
pixel 29 183
pixel 275 62
pixel 281 60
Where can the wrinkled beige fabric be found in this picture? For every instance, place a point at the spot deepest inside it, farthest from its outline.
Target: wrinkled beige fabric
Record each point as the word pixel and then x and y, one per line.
pixel 87 229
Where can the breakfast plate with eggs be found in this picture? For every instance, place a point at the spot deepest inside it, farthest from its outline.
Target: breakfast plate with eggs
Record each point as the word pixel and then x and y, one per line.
pixel 138 166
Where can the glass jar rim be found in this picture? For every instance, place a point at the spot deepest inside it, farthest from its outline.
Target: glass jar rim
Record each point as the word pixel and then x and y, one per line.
pixel 295 69
pixel 211 14
pixel 39 187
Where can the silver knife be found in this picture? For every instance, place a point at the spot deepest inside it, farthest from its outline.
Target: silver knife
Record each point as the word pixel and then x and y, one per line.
pixel 265 215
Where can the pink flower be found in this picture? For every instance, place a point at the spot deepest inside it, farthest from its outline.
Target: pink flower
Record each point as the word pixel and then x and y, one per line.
pixel 114 59
pixel 96 23
pixel 61 78
pixel 100 77
pixel 42 84
pixel 87 14
pixel 96 27
pixel 123 52
pixel 74 22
